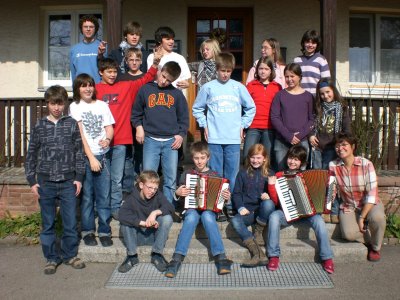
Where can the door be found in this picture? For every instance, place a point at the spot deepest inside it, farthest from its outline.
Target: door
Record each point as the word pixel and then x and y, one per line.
pixel 233 28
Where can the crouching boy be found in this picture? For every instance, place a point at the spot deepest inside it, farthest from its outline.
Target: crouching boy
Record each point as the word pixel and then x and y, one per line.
pixel 143 212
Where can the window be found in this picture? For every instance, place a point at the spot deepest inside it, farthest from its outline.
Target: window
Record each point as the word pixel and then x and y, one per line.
pixel 61 32
pixel 374 54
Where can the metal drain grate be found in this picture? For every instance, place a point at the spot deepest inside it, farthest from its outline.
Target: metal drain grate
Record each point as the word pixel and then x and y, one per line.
pixel 204 276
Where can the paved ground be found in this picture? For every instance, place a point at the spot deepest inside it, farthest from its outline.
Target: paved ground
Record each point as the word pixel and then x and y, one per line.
pixel 21 277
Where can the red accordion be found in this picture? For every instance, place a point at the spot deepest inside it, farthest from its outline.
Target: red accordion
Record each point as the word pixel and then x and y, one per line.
pixel 206 192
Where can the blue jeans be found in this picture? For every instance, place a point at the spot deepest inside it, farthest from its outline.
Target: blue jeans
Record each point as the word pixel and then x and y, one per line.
pixel 96 192
pixel 129 176
pixel 277 219
pixel 281 148
pixel 208 219
pixel 117 163
pixel 225 160
pixel 261 216
pixel 321 159
pixel 50 192
pixel 134 236
pixel 153 151
pixel 263 136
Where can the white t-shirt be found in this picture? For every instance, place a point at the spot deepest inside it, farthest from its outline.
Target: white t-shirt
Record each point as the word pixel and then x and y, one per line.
pixel 185 72
pixel 95 117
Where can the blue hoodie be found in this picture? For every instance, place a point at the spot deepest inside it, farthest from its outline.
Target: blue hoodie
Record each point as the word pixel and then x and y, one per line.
pixel 224 103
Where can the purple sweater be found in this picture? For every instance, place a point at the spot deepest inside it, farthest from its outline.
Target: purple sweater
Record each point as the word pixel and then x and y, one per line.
pixel 292 113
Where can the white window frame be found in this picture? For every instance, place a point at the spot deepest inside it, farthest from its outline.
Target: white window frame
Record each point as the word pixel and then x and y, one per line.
pixel 74 12
pixel 375 86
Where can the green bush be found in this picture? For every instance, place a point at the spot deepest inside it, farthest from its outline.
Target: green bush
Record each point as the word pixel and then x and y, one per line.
pixel 392 226
pixel 25 228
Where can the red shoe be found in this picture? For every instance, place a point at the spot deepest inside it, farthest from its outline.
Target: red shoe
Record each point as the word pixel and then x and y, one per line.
pixel 328 266
pixel 273 263
pixel 373 255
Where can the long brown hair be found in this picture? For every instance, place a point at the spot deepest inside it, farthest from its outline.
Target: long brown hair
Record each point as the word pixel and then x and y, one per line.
pixel 254 150
pixel 326 82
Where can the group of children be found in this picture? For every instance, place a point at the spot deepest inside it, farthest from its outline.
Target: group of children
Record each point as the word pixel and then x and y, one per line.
pixel 89 148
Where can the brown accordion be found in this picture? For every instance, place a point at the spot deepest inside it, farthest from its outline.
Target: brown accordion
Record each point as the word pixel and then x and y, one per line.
pixel 205 192
pixel 306 194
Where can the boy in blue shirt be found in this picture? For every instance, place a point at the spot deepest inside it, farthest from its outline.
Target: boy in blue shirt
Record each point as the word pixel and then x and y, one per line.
pixel 218 109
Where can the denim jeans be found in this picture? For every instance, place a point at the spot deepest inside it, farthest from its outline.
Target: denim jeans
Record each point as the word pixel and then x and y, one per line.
pixel 281 148
pixel 225 160
pixel 277 219
pixel 134 236
pixel 240 223
pixel 117 164
pixel 153 151
pixel 96 192
pixel 64 192
pixel 321 159
pixel 191 219
pixel 129 176
pixel 263 136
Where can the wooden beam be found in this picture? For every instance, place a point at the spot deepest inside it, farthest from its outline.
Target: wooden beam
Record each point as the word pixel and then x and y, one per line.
pixel 114 23
pixel 328 18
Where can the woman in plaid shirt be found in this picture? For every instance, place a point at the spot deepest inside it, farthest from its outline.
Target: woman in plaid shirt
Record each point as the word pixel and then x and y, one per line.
pixel 362 216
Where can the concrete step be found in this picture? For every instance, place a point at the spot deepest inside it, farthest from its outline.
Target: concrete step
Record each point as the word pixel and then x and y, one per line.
pixel 292 250
pixel 297 231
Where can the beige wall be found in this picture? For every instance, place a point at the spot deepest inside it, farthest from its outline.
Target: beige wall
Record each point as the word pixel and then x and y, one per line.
pixel 21 31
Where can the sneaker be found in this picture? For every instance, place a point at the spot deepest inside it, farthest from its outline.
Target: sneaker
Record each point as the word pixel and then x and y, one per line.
pixel 50 268
pixel 334 219
pixel 328 266
pixel 159 262
pixel 273 263
pixel 373 255
pixel 172 268
pixel 221 217
pixel 90 239
pixel 106 241
pixel 129 262
pixel 76 263
pixel 224 266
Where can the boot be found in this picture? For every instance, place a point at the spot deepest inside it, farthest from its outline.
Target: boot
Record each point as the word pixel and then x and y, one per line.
pixel 259 234
pixel 258 257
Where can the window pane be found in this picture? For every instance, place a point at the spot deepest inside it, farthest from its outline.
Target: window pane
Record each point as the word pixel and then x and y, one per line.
pixel 390 49
pixel 235 42
pixel 235 26
pixel 59 44
pixel 199 40
pixel 219 24
pixel 238 58
pixel 237 74
pixel 360 52
pixel 203 26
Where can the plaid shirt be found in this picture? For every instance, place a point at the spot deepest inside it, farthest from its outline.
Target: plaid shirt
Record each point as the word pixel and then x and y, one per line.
pixel 357 186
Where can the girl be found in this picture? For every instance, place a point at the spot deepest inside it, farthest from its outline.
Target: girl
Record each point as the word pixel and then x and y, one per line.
pixel 96 126
pixel 263 90
pixel 291 115
pixel 270 48
pixel 313 63
pixel 296 158
pixel 144 212
pixel 252 203
pixel 331 118
pixel 205 70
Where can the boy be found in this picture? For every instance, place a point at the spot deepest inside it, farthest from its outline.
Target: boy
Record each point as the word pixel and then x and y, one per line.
pixel 83 56
pixel 132 35
pixel 313 64
pixel 143 212
pixel 55 168
pixel 96 126
pixel 164 37
pixel 200 156
pixel 120 97
pixel 296 158
pixel 218 109
pixel 160 115
pixel 133 60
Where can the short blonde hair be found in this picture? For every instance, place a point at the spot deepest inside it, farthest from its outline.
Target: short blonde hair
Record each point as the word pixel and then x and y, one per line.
pixel 148 176
pixel 213 44
pixel 225 60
